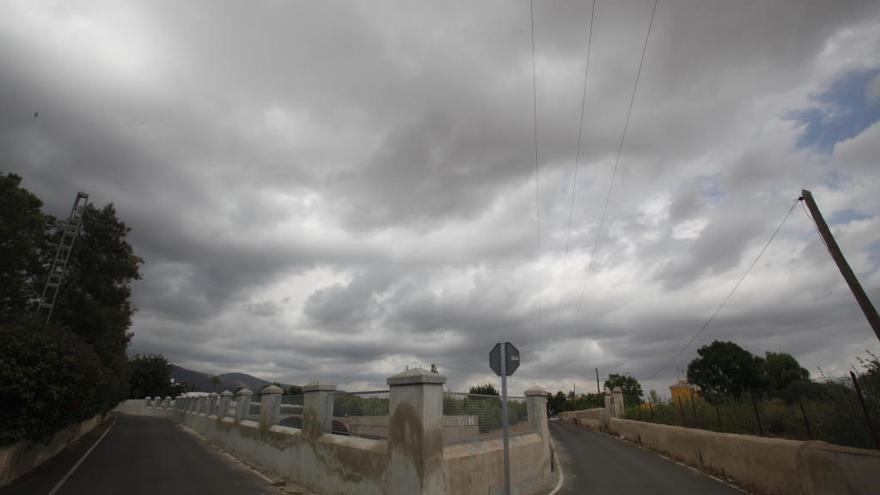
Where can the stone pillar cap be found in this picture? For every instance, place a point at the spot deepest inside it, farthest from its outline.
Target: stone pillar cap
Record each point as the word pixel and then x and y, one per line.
pixel 244 391
pixel 212 395
pixel 148 397
pixel 416 376
pixel 226 393
pixel 318 386
pixel 168 397
pixel 618 389
pixel 273 390
pixel 536 392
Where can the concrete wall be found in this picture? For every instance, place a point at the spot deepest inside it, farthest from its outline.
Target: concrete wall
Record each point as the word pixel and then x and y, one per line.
pixel 455 428
pixel 759 464
pixel 588 418
pixel 21 457
pixel 411 461
pixel 477 467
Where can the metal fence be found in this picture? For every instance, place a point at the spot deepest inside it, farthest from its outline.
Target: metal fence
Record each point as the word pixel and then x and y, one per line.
pixel 362 414
pixel 469 417
pixel 834 411
pixel 291 411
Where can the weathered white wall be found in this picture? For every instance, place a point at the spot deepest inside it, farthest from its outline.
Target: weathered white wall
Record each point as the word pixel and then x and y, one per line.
pixel 412 461
pixel 21 457
pixel 760 464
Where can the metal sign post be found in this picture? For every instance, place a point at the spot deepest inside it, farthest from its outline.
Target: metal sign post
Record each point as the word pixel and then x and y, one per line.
pixel 504 360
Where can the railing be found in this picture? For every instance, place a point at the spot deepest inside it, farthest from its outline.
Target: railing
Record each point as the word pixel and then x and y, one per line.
pixel 469 417
pixel 291 411
pixel 362 414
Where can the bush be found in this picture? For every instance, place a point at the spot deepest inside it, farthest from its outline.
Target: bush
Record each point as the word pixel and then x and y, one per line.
pixel 49 379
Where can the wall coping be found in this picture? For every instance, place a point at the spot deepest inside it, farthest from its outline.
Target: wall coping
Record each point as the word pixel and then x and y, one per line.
pixel 536 392
pixel 416 376
pixel 319 387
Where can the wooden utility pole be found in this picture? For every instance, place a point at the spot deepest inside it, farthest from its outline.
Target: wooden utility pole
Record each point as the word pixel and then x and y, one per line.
pixel 845 270
pixel 598 390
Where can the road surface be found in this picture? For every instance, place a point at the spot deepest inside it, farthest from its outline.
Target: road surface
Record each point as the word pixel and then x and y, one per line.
pixel 597 463
pixel 140 456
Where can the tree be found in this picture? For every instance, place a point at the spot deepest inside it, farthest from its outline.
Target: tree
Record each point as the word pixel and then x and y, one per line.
pixel 632 389
pixel 486 389
pixel 22 245
pixel 95 299
pixel 725 368
pixel 556 402
pixel 294 390
pixel 781 369
pixel 149 375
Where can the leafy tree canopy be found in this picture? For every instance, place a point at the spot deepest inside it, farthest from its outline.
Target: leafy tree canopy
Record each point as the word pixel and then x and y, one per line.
pixel 149 375
pixel 632 389
pixel 485 389
pixel 781 369
pixel 725 368
pixel 23 243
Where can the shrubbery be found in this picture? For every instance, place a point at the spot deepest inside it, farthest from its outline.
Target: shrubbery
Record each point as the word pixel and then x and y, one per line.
pixel 49 379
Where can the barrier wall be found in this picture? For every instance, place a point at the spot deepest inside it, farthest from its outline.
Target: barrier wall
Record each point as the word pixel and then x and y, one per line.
pixel 759 464
pixel 21 457
pixel 412 460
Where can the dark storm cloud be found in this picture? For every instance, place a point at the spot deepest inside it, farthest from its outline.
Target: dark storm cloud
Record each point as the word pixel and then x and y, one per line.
pixel 339 190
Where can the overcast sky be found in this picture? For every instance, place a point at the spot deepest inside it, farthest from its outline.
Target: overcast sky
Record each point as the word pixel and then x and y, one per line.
pixel 338 190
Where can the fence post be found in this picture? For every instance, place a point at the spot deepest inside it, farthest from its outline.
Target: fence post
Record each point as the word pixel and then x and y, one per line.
pixel 415 433
pixel 270 406
pixel 318 409
pixel 225 397
pixel 681 411
pixel 242 404
pixel 718 414
pixel 806 420
pixel 865 411
pixel 757 415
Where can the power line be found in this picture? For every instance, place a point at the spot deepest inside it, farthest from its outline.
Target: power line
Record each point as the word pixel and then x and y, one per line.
pixel 577 157
pixel 578 150
pixel 537 175
pixel 632 100
pixel 732 290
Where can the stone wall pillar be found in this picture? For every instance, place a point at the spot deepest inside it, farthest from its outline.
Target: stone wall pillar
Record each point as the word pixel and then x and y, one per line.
pixel 148 401
pixel 242 404
pixel 617 399
pixel 212 403
pixel 225 399
pixel 536 404
pixel 202 404
pixel 270 406
pixel 166 403
pixel 317 409
pixel 415 433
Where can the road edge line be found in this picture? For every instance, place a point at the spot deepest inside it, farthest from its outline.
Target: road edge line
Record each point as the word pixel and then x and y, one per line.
pixel 80 461
pixel 561 475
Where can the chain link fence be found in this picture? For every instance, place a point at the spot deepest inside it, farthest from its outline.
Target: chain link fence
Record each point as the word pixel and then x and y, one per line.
pixel 468 417
pixel 362 414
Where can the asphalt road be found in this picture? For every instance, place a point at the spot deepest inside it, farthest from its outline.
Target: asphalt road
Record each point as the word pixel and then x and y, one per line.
pixel 141 456
pixel 597 463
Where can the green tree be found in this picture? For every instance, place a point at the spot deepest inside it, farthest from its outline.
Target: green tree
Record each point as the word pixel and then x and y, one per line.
pixel 149 375
pixel 485 389
pixel 781 369
pixel 95 299
pixel 556 402
pixel 725 368
pixel 294 390
pixel 22 246
pixel 632 389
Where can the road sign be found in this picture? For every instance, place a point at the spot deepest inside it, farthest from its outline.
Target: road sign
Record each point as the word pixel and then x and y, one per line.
pixel 504 360
pixel 511 361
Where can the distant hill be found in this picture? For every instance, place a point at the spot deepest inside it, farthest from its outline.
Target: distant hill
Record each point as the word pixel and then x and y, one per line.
pixel 202 382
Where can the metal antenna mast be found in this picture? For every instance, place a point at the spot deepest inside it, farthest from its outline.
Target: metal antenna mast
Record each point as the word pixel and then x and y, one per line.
pixel 70 231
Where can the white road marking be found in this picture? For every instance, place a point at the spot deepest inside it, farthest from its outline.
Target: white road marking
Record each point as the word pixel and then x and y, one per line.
pixel 561 475
pixel 66 476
